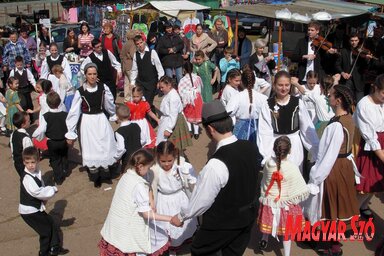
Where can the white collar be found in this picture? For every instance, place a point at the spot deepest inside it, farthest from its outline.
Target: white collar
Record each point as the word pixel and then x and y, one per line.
pixel 226 141
pixel 125 123
pixel 36 173
pixel 22 130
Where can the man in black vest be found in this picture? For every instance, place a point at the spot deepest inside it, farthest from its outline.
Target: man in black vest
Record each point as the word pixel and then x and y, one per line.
pixel 225 194
pixel 146 70
pixel 106 63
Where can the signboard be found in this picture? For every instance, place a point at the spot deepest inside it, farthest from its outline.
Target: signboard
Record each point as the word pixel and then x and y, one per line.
pixel 45 22
pixel 41 14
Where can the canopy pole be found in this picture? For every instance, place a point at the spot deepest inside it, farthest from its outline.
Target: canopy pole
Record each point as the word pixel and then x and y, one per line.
pixel 279 46
pixel 236 32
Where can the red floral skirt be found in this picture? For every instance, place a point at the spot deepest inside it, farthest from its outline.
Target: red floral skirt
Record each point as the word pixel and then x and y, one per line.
pixel 371 168
pixel 265 219
pixel 193 112
pixel 106 249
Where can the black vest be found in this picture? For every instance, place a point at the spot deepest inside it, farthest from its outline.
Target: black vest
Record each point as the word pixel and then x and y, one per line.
pixel 56 125
pixel 104 68
pixel 92 102
pixel 24 85
pixel 52 63
pixel 25 197
pixel 131 134
pixel 234 206
pixel 287 121
pixel 17 145
pixel 147 73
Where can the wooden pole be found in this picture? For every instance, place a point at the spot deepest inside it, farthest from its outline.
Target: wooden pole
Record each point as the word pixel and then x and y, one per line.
pixel 279 46
pixel 236 32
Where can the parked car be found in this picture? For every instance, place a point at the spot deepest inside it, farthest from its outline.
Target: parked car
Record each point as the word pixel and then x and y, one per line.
pixel 59 33
pixel 252 24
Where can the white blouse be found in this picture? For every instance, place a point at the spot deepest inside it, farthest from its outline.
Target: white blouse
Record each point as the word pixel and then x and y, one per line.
pixel 228 93
pixel 170 108
pixel 369 118
pixel 323 110
pixel 239 105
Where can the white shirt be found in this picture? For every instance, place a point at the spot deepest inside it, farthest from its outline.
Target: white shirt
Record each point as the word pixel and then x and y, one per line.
pixel 45 68
pixel 27 142
pixel 30 76
pixel 154 60
pixel 260 83
pixel 227 94
pixel 239 105
pixel 115 64
pixel 323 110
pixel 42 193
pixel 310 63
pixel 39 133
pixel 212 178
pixel 369 118
pixel 120 142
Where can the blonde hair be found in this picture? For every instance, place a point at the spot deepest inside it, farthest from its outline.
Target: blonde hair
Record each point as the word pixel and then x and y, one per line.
pixel 57 69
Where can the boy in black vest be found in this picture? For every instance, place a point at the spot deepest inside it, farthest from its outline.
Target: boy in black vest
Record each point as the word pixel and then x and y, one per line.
pixel 53 126
pixel 33 197
pixel 26 83
pixel 20 140
pixel 127 136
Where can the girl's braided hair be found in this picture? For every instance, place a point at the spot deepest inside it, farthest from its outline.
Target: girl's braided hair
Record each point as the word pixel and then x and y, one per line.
pixel 344 93
pixel 281 147
pixel 248 80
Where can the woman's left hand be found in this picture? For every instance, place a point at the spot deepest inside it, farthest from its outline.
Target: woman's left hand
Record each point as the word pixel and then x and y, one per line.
pixel 167 134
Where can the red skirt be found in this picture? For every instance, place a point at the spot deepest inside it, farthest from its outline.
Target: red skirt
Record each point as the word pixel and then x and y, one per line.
pixel 265 219
pixel 371 168
pixel 106 249
pixel 193 112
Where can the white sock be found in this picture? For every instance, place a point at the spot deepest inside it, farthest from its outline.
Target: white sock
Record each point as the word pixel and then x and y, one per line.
pixel 189 126
pixel 364 200
pixel 287 247
pixel 195 129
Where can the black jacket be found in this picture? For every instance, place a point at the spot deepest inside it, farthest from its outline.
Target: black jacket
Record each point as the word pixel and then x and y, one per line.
pixel 170 60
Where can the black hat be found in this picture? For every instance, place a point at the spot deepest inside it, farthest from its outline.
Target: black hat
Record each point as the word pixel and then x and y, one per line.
pixel 213 111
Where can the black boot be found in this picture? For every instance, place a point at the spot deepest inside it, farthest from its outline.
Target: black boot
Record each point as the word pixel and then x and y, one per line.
pixel 58 250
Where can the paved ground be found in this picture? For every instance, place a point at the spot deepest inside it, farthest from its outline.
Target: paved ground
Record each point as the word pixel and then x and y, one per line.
pixel 81 210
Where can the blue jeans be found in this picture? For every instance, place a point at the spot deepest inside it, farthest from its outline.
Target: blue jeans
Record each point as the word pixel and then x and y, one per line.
pixel 178 71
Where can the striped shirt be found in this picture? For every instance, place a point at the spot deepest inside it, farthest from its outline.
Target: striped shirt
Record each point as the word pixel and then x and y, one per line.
pixel 85 42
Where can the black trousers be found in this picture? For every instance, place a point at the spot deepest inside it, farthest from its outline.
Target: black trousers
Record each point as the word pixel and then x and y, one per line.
pixel 149 94
pixel 26 102
pixel 58 158
pixel 19 166
pixel 221 242
pixel 112 87
pixel 44 225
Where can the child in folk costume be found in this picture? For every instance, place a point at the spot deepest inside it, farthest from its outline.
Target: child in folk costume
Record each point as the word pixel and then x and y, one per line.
pixel 282 190
pixel 310 88
pixel 66 90
pixel 332 178
pixel 13 102
pixel 369 118
pixel 139 108
pixel 125 231
pixel 246 106
pixel 190 93
pixel 173 184
pixel 97 139
pixel 172 125
pixel 287 115
pixel 232 87
pixel 204 69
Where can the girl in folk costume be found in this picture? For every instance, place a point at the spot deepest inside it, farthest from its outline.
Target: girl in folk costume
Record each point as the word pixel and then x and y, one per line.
pixel 173 184
pixel 13 102
pixel 369 118
pixel 282 190
pixel 190 92
pixel 97 139
pixel 287 115
pixel 172 125
pixel 332 178
pixel 246 107
pixel 130 227
pixel 139 108
pixel 232 86
pixel 310 88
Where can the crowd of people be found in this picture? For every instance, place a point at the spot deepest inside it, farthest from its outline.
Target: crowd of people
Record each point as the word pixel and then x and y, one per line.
pixel 317 136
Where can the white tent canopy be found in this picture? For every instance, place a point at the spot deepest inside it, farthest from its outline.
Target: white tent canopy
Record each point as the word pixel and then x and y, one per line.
pixel 172 8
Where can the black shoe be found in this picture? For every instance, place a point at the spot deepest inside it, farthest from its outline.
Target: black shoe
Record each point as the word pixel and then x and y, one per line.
pixel 263 244
pixel 366 213
pixel 196 136
pixel 97 183
pixel 58 250
pixel 59 182
pixel 191 133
